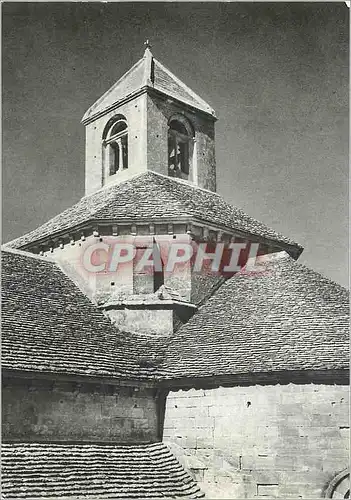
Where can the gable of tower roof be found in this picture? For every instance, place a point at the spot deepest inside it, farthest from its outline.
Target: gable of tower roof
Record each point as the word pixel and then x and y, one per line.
pixel 147 73
pixel 165 81
pixel 283 317
pixel 128 84
pixel 150 196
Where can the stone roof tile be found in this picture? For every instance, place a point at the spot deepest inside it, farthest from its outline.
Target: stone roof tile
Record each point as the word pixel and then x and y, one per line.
pixel 284 317
pixel 49 325
pixel 33 470
pixel 147 73
pixel 149 197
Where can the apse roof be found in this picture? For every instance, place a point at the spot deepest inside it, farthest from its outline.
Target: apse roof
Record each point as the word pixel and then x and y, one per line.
pixel 42 470
pixel 279 317
pixel 50 326
pixel 282 316
pixel 152 197
pixel 147 73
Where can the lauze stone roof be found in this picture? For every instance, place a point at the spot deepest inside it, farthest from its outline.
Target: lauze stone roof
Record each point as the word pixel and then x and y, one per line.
pixel 151 197
pixel 49 325
pixel 281 317
pixel 83 471
pixel 148 74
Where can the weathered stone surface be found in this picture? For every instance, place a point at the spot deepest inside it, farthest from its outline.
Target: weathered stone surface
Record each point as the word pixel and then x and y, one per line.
pixel 283 441
pixel 134 112
pixel 149 321
pixel 44 412
pixel 203 164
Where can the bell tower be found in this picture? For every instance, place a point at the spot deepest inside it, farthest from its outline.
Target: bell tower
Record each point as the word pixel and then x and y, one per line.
pixel 150 194
pixel 149 120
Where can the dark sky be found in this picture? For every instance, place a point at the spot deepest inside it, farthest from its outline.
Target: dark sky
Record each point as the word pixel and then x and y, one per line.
pixel 276 74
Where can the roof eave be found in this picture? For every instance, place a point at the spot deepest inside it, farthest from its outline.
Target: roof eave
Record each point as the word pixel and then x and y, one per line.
pixel 122 381
pixel 202 104
pixel 333 376
pixel 294 250
pixel 169 95
pixel 91 116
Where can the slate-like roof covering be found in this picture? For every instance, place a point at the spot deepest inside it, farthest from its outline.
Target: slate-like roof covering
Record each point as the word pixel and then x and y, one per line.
pixel 49 471
pixel 150 197
pixel 285 317
pixel 49 325
pixel 148 72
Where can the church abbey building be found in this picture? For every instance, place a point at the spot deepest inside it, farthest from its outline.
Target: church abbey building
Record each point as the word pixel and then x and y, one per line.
pixel 155 384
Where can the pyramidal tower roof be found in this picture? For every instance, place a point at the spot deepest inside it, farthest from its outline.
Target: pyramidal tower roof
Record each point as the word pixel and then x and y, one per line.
pixel 146 73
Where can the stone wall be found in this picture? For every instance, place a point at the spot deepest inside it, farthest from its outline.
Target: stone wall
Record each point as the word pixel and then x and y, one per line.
pixel 42 410
pixel 283 441
pixel 71 259
pixel 135 113
pixel 147 119
pixel 203 169
pixel 145 320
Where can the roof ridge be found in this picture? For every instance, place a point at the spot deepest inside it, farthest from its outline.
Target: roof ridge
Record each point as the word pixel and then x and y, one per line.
pixel 195 186
pixel 325 278
pixel 85 444
pixel 153 172
pixel 149 58
pixel 273 259
pixel 111 89
pixel 266 259
pixel 184 86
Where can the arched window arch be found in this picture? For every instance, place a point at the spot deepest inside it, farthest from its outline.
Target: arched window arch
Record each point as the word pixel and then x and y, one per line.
pixel 115 143
pixel 180 146
pixel 339 486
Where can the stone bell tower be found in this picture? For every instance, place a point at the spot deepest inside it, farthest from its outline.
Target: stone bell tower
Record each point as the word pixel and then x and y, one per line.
pixel 150 184
pixel 149 120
